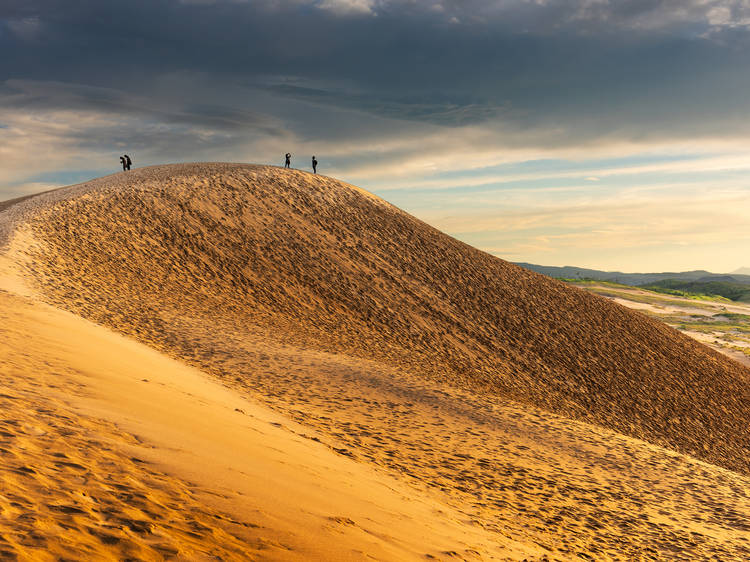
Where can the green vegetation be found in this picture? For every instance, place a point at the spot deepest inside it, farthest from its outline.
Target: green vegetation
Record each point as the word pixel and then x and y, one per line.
pixel 688 295
pixel 737 318
pixel 713 289
pixel 587 281
pixel 638 294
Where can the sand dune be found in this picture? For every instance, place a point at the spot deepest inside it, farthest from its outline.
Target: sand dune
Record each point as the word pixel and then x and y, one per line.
pixel 394 358
pixel 112 451
pixel 163 251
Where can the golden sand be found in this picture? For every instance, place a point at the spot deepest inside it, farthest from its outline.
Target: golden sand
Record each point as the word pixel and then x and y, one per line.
pixel 111 450
pixel 423 394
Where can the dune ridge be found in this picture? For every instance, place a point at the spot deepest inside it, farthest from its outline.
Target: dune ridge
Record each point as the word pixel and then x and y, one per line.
pixel 318 263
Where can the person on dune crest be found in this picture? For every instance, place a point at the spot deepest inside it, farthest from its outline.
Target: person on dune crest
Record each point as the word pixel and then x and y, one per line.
pixel 314 165
pixel 288 161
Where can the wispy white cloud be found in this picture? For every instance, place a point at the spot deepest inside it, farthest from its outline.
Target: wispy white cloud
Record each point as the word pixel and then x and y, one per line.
pixel 25 28
pixel 689 163
pixel 348 7
pixel 674 227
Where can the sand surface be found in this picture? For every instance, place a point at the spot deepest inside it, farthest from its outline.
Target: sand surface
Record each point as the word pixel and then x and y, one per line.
pixel 162 253
pixel 713 341
pixel 693 318
pixel 677 304
pixel 112 450
pixel 284 440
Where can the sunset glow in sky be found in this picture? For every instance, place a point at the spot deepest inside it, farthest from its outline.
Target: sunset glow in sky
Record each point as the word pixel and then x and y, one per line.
pixel 595 133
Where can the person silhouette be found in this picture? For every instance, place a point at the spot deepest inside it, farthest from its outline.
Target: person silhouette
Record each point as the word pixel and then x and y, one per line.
pixel 123 162
pixel 315 165
pixel 288 160
pixel 128 161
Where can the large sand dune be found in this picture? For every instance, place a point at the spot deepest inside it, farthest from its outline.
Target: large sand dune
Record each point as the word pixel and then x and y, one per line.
pixel 322 264
pixel 513 401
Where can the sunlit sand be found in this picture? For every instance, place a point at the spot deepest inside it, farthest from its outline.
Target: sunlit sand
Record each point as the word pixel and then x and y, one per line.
pixel 244 362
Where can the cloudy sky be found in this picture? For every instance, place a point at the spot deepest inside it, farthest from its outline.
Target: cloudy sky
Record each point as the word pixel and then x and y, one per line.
pixel 611 134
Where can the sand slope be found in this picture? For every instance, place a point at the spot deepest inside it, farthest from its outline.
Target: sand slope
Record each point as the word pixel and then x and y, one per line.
pixel 392 435
pixel 111 450
pixel 72 486
pixel 161 252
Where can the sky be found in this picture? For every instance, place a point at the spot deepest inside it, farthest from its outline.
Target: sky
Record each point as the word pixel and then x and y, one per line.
pixel 608 134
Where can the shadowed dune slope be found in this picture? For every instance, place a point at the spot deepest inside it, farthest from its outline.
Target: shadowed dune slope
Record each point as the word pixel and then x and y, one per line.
pixel 311 261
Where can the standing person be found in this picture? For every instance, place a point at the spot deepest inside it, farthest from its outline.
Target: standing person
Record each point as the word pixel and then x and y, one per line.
pixel 123 162
pixel 315 165
pixel 128 162
pixel 288 160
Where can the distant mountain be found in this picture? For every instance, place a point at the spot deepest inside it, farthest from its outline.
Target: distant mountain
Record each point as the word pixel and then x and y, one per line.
pixel 636 279
pixel 742 271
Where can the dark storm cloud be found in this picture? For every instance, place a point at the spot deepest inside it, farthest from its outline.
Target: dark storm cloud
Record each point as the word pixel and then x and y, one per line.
pixel 34 96
pixel 449 113
pixel 590 67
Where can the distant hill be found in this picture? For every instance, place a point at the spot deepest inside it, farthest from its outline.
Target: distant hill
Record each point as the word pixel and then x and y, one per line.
pixel 636 279
pixel 742 271
pixel 720 285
